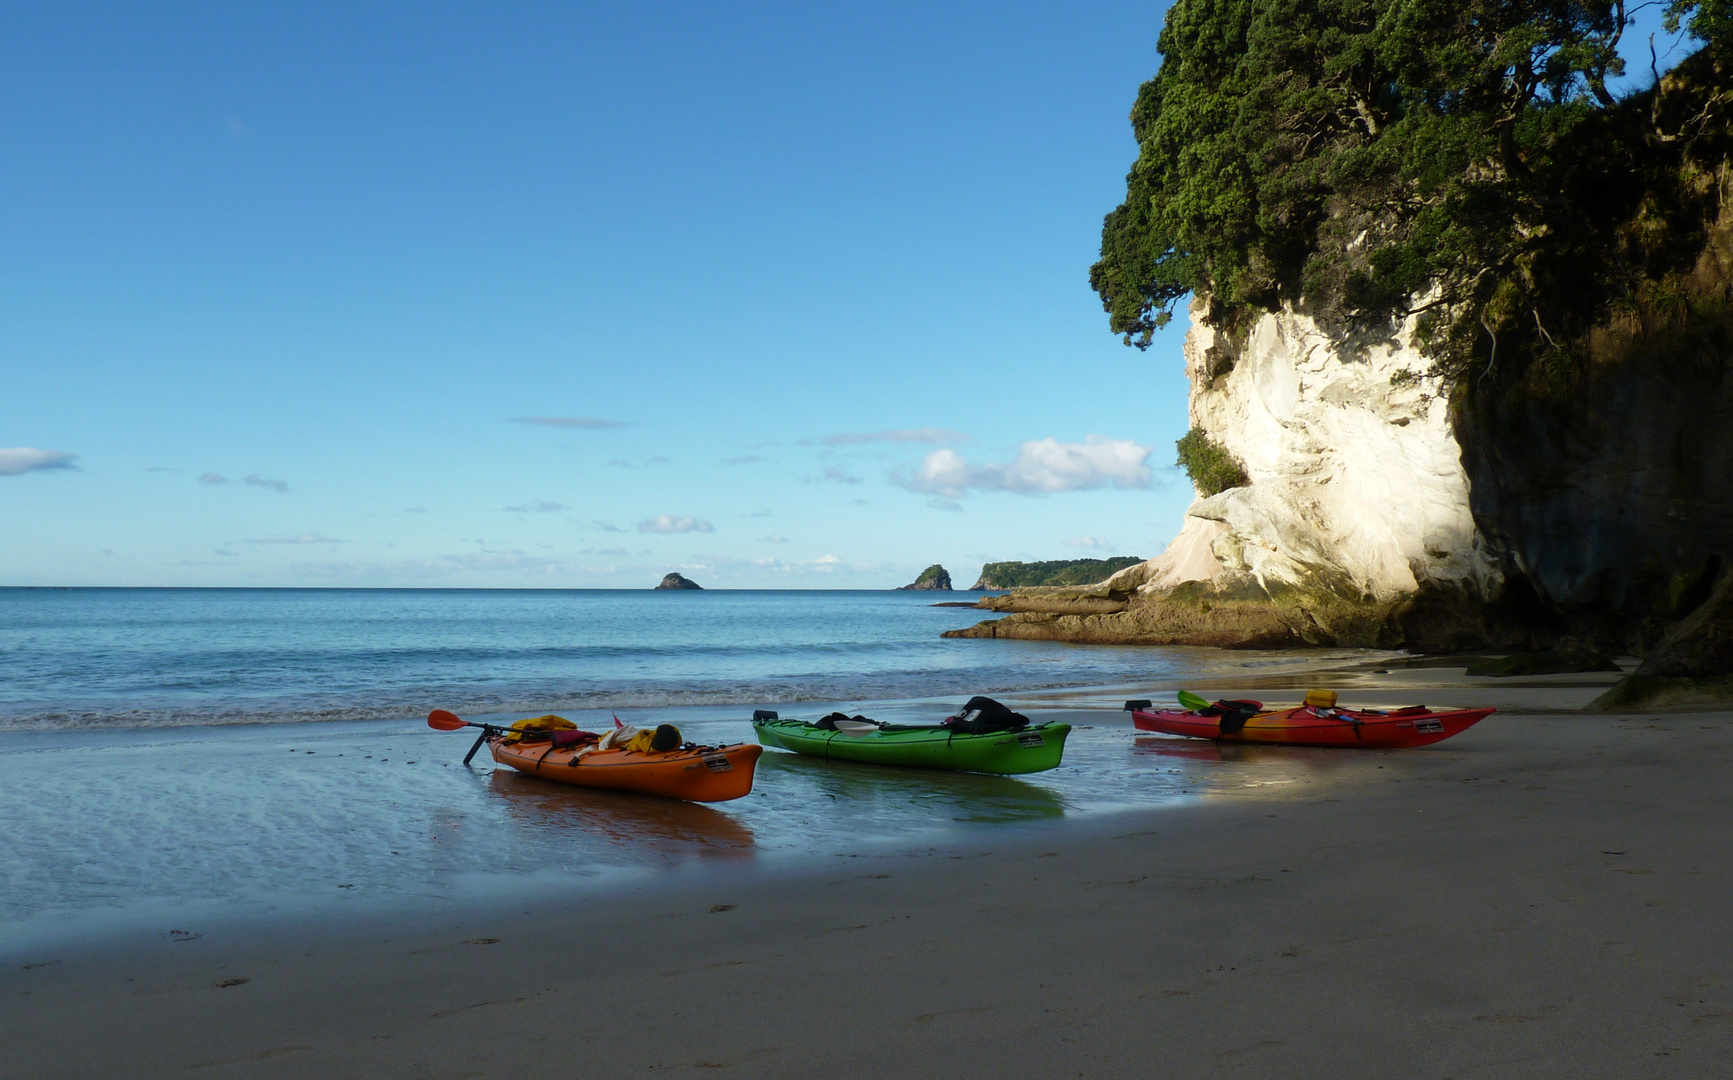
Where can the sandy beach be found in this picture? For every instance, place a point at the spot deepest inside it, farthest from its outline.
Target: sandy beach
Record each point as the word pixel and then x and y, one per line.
pixel 1545 895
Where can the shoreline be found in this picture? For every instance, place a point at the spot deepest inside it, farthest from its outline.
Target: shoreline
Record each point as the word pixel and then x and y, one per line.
pixel 1525 904
pixel 1540 896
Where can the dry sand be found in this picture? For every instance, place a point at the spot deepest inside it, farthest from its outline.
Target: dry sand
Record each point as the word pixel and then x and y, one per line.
pixel 1553 897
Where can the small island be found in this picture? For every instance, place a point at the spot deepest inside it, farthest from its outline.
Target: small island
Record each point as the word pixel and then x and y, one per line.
pixel 934 578
pixel 678 581
pixel 1022 575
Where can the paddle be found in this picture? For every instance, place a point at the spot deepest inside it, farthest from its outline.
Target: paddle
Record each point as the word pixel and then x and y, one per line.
pixel 441 720
pixel 1191 701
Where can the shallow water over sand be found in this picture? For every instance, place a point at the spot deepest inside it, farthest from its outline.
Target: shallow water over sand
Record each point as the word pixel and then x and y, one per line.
pixel 156 754
pixel 314 816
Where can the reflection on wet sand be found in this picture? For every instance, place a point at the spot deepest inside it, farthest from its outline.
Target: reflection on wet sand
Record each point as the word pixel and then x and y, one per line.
pixel 666 826
pixel 1206 750
pixel 930 795
pixel 1249 765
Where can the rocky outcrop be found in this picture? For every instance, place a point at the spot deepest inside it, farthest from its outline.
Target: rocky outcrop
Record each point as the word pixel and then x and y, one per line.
pixel 1355 527
pixel 933 579
pixel 678 581
pixel 1692 665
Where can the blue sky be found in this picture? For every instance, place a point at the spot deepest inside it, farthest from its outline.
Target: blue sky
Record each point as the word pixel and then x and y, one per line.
pixel 777 295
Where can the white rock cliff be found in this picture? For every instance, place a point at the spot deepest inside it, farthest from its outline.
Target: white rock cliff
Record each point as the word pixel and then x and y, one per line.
pixel 1356 484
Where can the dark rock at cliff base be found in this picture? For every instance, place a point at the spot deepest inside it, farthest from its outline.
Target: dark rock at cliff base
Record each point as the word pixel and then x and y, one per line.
pixel 933 579
pixel 1558 662
pixel 1693 664
pixel 678 581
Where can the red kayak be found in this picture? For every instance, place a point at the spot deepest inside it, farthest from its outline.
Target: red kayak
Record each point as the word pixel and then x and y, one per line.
pixel 1310 726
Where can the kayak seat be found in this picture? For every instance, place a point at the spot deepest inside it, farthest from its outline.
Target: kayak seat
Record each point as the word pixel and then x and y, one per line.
pixel 1234 714
pixel 829 723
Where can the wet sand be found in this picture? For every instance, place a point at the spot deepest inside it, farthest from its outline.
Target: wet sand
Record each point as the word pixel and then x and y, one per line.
pixel 1545 895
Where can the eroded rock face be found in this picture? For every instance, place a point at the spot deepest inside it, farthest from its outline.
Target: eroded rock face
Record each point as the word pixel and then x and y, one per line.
pixel 1594 514
pixel 1356 514
pixel 1355 482
pixel 678 581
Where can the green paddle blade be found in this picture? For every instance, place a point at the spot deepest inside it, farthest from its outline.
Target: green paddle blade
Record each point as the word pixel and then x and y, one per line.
pixel 1191 701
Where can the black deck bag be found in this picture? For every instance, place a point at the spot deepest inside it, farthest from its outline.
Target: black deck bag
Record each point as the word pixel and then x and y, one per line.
pixel 983 715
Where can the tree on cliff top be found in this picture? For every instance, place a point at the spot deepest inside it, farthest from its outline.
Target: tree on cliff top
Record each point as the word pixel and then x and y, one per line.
pixel 1382 158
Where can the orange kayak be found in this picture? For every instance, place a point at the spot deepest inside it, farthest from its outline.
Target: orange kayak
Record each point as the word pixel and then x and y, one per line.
pixel 1307 726
pixel 705 774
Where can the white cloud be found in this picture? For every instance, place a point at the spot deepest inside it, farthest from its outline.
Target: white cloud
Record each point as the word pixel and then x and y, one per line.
pixel 304 538
pixel 22 459
pixel 1098 543
pixel 943 504
pixel 827 560
pixel 569 422
pixel 1042 466
pixel 543 507
pixel 255 480
pixel 606 527
pixel 669 523
pixel 773 538
pixel 936 436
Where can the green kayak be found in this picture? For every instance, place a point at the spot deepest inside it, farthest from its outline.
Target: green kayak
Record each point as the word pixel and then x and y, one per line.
pixel 1033 749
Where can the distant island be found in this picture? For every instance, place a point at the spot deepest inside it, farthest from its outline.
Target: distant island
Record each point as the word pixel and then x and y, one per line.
pixel 934 578
pixel 1023 575
pixel 678 581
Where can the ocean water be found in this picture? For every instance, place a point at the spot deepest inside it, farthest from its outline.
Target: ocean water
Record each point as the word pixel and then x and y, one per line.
pixel 182 657
pixel 169 752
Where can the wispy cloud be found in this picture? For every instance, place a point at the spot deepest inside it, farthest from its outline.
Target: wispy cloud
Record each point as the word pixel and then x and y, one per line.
pixel 622 463
pixel 415 509
pixel 760 514
pixel 835 474
pixel 162 468
pixel 213 478
pixel 304 538
pixel 569 422
pixel 543 507
pixel 938 503
pixel 749 459
pixel 1043 466
pixel 669 523
pixel 773 538
pixel 933 435
pixel 22 459
pixel 607 526
pixel 255 480
pixel 1096 543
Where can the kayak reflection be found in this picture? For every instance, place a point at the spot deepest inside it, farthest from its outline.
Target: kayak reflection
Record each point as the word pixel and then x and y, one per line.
pixel 1243 753
pixel 884 792
pixel 626 819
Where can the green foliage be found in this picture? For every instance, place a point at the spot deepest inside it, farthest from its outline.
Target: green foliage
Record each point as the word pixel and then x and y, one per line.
pixel 1460 160
pixel 1024 575
pixel 1212 469
pixel 933 574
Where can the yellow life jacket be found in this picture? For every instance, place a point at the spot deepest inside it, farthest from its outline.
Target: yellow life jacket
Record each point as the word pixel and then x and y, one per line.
pixel 540 723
